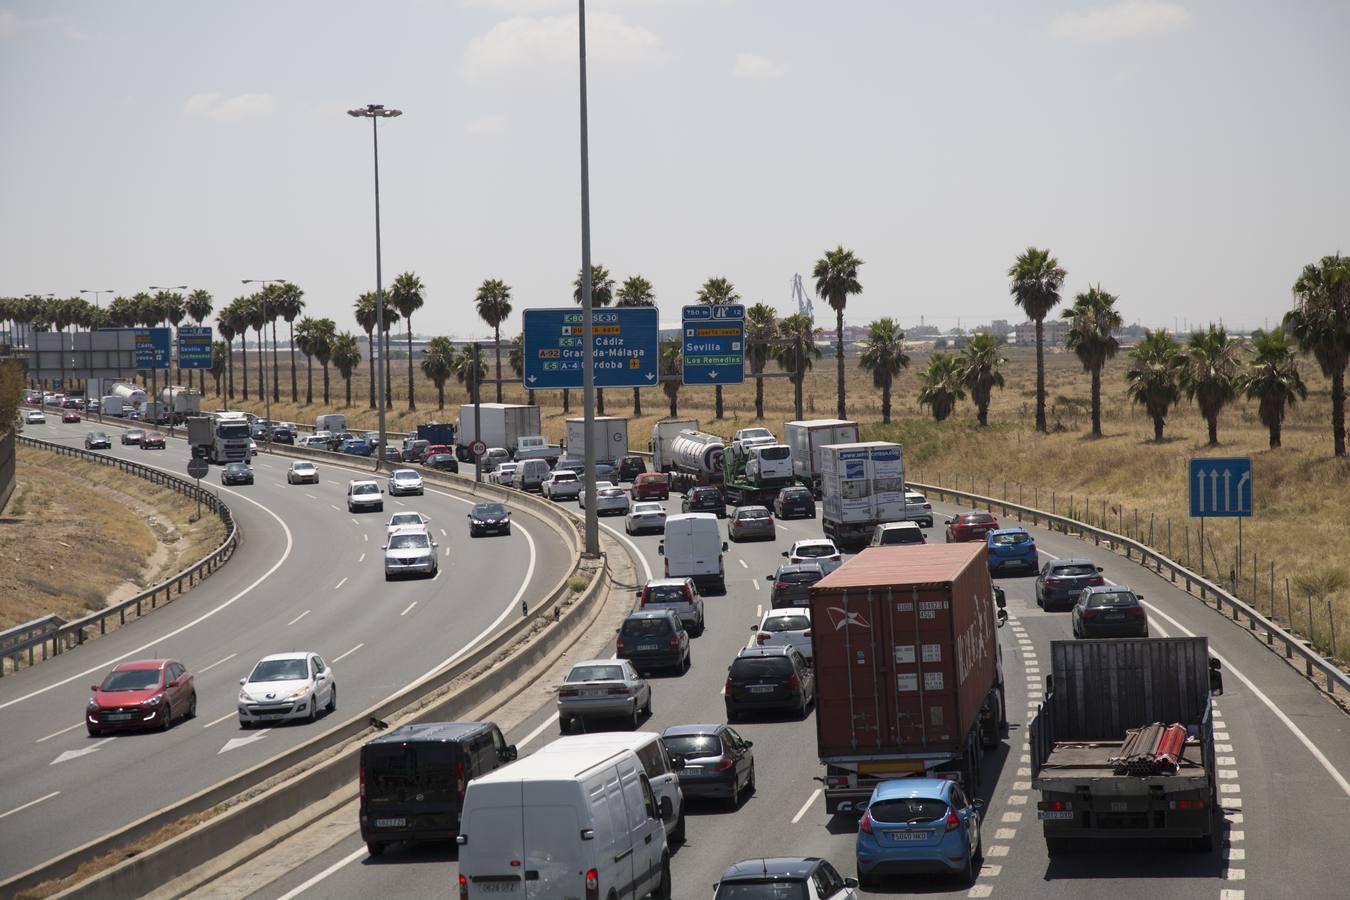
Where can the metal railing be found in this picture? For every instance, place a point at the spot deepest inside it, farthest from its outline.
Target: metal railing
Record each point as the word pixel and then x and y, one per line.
pixel 77 632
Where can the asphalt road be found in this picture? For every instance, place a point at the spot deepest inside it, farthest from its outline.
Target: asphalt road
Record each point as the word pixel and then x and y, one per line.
pixel 307 575
pixel 1285 801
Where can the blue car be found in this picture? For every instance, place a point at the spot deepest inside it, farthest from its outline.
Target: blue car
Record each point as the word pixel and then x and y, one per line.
pixel 1011 548
pixel 916 825
pixel 357 447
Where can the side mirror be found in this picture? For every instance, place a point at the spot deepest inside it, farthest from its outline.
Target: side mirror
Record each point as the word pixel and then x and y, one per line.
pixel 784 553
pixel 724 546
pixel 667 810
pixel 769 577
pixel 952 520
pixel 1139 596
pixel 978 804
pixel 1099 568
pixel 510 753
pixel 1002 617
pixel 661 549
pixel 850 882
pixel 754 626
pixel 1000 598
pixel 1214 664
pixel 94 687
pixel 384 547
pixel 434 544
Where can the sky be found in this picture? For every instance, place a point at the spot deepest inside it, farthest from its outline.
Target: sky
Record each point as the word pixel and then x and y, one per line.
pixel 1189 156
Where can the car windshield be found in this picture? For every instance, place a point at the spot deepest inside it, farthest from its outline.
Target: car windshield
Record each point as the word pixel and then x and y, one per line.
pixel 1111 599
pixel 648 508
pixel 762 890
pixel 704 493
pixel 814 550
pixel 1074 570
pixel 401 519
pixel 405 475
pixel 280 670
pixel 303 467
pixel 1020 537
pixel 489 510
pixel 799 577
pixel 365 489
pixel 644 626
pixel 693 744
pixel 757 666
pixel 409 542
pixel 666 593
pixel 752 512
pixel 131 680
pixel 595 673
pixel 99 436
pixel 908 809
pixel 775 624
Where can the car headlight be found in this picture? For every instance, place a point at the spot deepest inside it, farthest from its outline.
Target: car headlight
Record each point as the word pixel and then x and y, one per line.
pixel 244 697
pixel 153 701
pixel 297 693
pixel 477 521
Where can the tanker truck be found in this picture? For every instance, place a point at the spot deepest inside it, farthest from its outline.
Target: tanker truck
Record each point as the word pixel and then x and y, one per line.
pixel 696 458
pixel 181 401
pixel 129 393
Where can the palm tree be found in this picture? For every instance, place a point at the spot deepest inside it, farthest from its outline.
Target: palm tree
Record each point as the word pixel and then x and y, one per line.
pixel 288 303
pixel 1210 373
pixel 1036 280
pixel 884 356
pixel 941 385
pixel 321 343
pixel 980 364
pixel 602 294
pixel 1093 321
pixel 672 364
pixel 515 358
pixel 636 291
pixel 219 355
pixel 438 364
pixel 346 356
pixel 407 296
pixel 366 317
pixel 225 324
pixel 1273 379
pixel 1320 323
pixel 256 315
pixel 199 307
pixel 1154 377
pixel 173 308
pixel 717 291
pixel 494 305
pixel 391 316
pixel 761 327
pixel 836 275
pixel 796 356
pixel 304 339
pixel 462 364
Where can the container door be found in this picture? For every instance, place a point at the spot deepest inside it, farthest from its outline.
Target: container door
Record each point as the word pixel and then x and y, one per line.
pixel 925 671
pixel 848 646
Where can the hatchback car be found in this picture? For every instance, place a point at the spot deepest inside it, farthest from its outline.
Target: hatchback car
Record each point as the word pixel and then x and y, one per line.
pixel 37 417
pixel 504 474
pixel 792 583
pixel 489 518
pixel 147 693
pixel 236 473
pixel 602 688
pixel 286 686
pixel 890 534
pixel 652 486
pixel 1109 611
pixel 610 500
pixel 132 436
pixel 364 496
pixel 704 498
pixel 711 761
pixel 561 484
pixel 97 440
pixel 153 440
pixel 919 825
pixel 1011 548
pixel 970 526
pixel 70 416
pixel 654 639
pixel 644 517
pixel 677 595
pixel 442 462
pixel 1062 580
pixel 410 551
pixel 786 627
pixel 405 520
pixel 405 481
pixel 785 878
pixel 302 472
pixel 356 447
pixel 794 503
pixel 769 678
pixel 918 509
pixel 816 550
pixel 630 467
pixel 751 522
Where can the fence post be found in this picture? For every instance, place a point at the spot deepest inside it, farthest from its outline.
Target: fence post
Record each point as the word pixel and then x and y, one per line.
pixel 1331 620
pixel 1310 622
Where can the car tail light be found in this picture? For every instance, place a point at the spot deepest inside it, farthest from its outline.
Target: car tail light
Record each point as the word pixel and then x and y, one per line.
pixel 667 567
pixel 674 641
pixel 865 824
pixel 762 637
pixel 725 763
pixel 794 682
pixel 1051 582
pixel 1136 611
pixel 1054 806
pixel 1189 804
pixel 592 884
pixel 363 782
pixel 618 644
pixel 836 781
pixel 727 688
pixel 780 586
pixel 463 888
pixel 459 778
pixel 1096 580
pixel 616 690
pixel 834 557
pixel 567 692
pixel 953 822
pixel 1090 613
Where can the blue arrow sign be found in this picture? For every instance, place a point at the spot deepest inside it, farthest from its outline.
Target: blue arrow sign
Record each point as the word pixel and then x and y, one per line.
pixel 713 344
pixel 194 347
pixel 625 340
pixel 1220 487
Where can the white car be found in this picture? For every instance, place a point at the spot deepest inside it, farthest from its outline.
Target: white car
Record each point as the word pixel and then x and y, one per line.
pixel 561 484
pixel 816 550
pixel 609 500
pixel 404 481
pixel 364 495
pixel 302 472
pixel 410 551
pixel 789 626
pixel 287 686
pixel 504 474
pixel 645 516
pixel 405 520
pixel 918 509
pixel 34 417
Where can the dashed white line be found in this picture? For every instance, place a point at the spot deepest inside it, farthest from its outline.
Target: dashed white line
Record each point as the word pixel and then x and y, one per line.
pixel 362 559
pixel 297 891
pixel 311 496
pixel 410 606
pixel 335 506
pixel 365 537
pixel 340 583
pixel 216 663
pixel 228 715
pixel 338 659
pixel 298 618
pixel 755 585
pixel 551 720
pixel 443 532
pixel 28 804
pixel 58 733
pixel 742 562
pixel 806 806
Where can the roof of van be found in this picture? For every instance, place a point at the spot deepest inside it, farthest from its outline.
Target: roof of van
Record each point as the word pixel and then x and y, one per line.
pixel 619 740
pixel 431 731
pixel 685 517
pixel 563 765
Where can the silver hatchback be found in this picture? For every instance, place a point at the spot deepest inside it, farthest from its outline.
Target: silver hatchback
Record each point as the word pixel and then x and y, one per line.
pixel 410 551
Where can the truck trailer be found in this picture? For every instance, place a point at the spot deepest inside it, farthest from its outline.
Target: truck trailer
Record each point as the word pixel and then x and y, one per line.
pixel 663 439
pixel 611 438
pixel 909 672
pixel 862 485
pixel 754 473
pixel 806 437
pixel 501 424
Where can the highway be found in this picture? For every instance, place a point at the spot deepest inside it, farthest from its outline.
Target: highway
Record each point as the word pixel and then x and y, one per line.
pixel 1285 800
pixel 307 575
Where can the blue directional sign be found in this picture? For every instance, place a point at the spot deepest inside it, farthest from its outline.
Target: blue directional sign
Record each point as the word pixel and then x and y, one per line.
pixel 1221 487
pixel 625 341
pixel 194 347
pixel 152 346
pixel 713 344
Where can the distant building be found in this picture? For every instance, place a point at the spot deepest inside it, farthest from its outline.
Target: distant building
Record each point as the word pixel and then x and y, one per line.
pixel 1024 334
pixel 1000 328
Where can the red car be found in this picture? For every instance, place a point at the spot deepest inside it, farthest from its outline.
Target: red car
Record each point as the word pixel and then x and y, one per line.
pixel 70 415
pixel 970 526
pixel 147 693
pixel 153 440
pixel 652 486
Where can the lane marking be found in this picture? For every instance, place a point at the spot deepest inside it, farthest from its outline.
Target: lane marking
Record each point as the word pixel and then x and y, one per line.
pixel 216 663
pixel 335 506
pixel 742 562
pixel 298 618
pixel 57 733
pixel 362 559
pixel 348 653
pixel 412 604
pixel 28 804
pixel 755 585
pixel 443 534
pixel 341 583
pixel 354 522
pixel 228 715
pixel 365 537
pixel 806 806
pixel 311 496
pixel 346 860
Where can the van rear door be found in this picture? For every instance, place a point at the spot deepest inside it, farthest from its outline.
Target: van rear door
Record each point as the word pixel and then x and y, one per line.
pixel 414 790
pixel 494 840
pixel 556 855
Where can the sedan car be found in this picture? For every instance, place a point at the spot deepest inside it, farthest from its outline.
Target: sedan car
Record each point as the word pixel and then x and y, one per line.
pixel 652 486
pixel 37 417
pixel 786 627
pixel 1109 611
pixel 704 498
pixel 286 686
pixel 785 878
pixel 236 473
pixel 70 416
pixel 442 462
pixel 504 474
pixel 918 509
pixel 654 639
pixel 405 520
pixel 919 825
pixel 751 522
pixel 1011 548
pixel 404 481
pixel 769 678
pixel 711 761
pixel 561 484
pixel 489 518
pixel 1062 580
pixel 133 436
pixel 970 526
pixel 792 583
pixel 602 688
pixel 147 693
pixel 364 495
pixel 410 551
pixel 302 472
pixel 610 500
pixel 153 440
pixel 677 595
pixel 794 503
pixel 643 517
pixel 817 550
pixel 97 440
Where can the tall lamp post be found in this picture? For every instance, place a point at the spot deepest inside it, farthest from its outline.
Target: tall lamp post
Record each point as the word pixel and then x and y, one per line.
pixel 173 339
pixel 267 398
pixel 375 112
pixel 587 351
pixel 96 293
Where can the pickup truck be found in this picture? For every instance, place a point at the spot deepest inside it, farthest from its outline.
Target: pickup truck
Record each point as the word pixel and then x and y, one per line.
pixel 536 446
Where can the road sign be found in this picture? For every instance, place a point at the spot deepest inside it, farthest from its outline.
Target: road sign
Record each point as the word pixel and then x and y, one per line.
pixel 151 346
pixel 713 344
pixel 198 468
pixel 478 448
pixel 625 341
pixel 1221 487
pixel 194 347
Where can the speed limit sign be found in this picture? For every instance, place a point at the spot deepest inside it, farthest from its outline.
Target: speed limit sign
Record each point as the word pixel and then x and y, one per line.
pixel 478 448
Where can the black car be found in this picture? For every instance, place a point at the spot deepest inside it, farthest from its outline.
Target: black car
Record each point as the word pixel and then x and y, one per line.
pixel 784 877
pixel 97 440
pixel 792 583
pixel 631 467
pixel 444 462
pixel 1109 611
pixel 704 498
pixel 236 473
pixel 1062 580
pixel 711 761
pixel 283 434
pixel 794 503
pixel 258 431
pixel 653 639
pixel 413 779
pixel 489 518
pixel 769 678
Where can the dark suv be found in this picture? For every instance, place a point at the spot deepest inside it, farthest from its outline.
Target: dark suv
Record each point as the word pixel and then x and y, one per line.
pixel 653 639
pixel 413 779
pixel 630 467
pixel 1062 580
pixel 769 678
pixel 793 503
pixel 704 499
pixel 792 583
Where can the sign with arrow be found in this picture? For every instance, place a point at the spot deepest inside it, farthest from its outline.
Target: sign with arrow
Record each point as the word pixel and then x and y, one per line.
pixel 713 344
pixel 1220 487
pixel 625 341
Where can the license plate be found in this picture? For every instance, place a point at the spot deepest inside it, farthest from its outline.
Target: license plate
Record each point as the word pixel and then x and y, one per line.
pixel 593 692
pixel 1054 814
pixel 761 688
pixel 391 823
pixel 1113 617
pixel 118 717
pixel 907 835
pixel 642 647
pixel 498 887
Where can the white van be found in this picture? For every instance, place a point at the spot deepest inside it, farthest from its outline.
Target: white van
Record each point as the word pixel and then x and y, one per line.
pixel 651 752
pixel 333 422
pixel 693 548
pixel 530 474
pixel 579 822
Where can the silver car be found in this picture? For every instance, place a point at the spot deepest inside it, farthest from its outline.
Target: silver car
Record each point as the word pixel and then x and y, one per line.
pixel 404 481
pixel 603 688
pixel 787 627
pixel 561 484
pixel 410 551
pixel 645 516
pixel 609 500
pixel 918 509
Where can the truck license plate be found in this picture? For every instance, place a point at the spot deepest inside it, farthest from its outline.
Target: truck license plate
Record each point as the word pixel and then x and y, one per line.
pixel 391 823
pixel 1054 814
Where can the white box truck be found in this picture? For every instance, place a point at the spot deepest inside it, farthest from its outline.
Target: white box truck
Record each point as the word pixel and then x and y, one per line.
pixel 862 485
pixel 806 437
pixel 663 436
pixel 611 438
pixel 502 425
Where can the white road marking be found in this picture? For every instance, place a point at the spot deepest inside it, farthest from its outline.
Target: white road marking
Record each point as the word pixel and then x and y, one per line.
pixel 410 606
pixel 346 860
pixel 806 806
pixel 334 505
pixel 28 804
pixel 362 559
pixel 1236 853
pixel 755 585
pixel 58 733
pixel 996 850
pixel 1021 785
pixel 551 720
pixel 1232 894
pixel 354 522
pixel 365 537
pixel 759 610
pixel 990 871
pixel 1235 874
pixel 443 532
pixel 980 890
pixel 311 496
pixel 742 562
pixel 236 743
pixel 85 751
pixel 339 659
pixel 1235 835
pixel 398 503
pixel 447 554
pixel 341 583
pixel 1012 817
pixel 1017 800
pixel 298 618
pixel 1005 834
pixel 216 663
pixel 228 715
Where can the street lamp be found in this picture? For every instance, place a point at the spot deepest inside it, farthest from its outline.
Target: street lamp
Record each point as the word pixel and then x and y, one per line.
pixel 592 529
pixel 100 381
pixel 172 341
pixel 374 112
pixel 96 293
pixel 267 398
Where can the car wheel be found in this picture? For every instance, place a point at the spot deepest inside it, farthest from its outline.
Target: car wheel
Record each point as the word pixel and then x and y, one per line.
pixel 662 891
pixel 867 881
pixel 313 707
pixel 375 848
pixel 972 870
pixel 647 708
pixel 750 782
pixel 677 833
pixel 637 716
pixel 731 535
pixel 192 707
pixel 332 700
pixel 167 722
pixel 978 855
pixel 734 801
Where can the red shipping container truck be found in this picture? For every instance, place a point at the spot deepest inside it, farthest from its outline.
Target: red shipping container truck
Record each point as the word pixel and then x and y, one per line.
pixel 909 674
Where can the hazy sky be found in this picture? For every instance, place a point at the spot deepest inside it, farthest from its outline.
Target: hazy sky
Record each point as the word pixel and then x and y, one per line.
pixel 1188 156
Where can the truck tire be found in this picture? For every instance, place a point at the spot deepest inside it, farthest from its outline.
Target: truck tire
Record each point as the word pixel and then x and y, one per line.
pixel 991 734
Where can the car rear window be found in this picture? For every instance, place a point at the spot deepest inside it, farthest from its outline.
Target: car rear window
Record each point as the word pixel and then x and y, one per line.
pixel 775 453
pixel 425 770
pixel 795 494
pixel 596 673
pixel 666 593
pixel 757 666
pixel 564 476
pixel 611 492
pixel 1109 599
pixel 693 744
pixel 762 890
pixel 752 512
pixel 799 577
pixel 785 623
pixel 813 550
pixel 977 518
pixel 1010 539
pixel 653 478
pixel 646 626
pixel 908 809
pixel 1074 570
pixel 703 493
pixel 901 536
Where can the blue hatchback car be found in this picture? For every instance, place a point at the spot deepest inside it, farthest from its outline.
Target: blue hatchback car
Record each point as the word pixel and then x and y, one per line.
pixel 919 825
pixel 357 447
pixel 1011 548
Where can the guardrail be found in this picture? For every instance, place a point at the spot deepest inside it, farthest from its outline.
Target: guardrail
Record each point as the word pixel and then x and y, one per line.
pixel 77 632
pixel 28 636
pixel 1224 602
